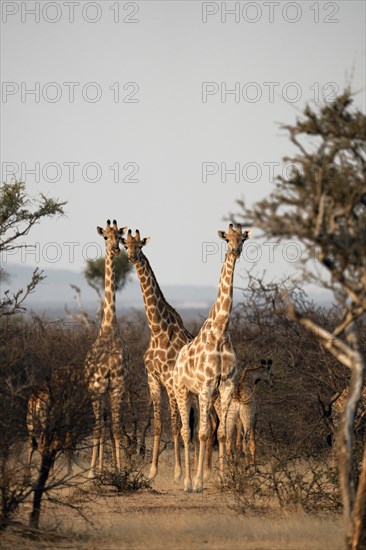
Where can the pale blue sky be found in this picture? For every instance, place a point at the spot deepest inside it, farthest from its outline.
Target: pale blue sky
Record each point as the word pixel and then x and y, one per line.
pixel 169 132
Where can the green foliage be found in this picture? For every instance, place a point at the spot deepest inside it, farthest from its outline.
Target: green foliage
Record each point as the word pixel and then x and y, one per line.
pixel 19 212
pixel 94 272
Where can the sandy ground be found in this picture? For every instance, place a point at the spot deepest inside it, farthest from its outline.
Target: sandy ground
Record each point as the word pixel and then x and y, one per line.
pixel 168 518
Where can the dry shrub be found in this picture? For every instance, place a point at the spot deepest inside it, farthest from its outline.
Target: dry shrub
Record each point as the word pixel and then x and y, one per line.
pixel 127 480
pixel 308 485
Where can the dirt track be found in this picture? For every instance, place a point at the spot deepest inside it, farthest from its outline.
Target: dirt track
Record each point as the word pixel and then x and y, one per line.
pixel 169 518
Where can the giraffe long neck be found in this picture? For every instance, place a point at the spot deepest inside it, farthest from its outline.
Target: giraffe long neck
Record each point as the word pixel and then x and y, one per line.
pixel 220 311
pixel 155 304
pixel 109 307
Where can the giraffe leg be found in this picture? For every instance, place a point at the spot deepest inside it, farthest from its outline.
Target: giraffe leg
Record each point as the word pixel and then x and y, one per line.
pixel 238 439
pixel 155 392
pixel 174 417
pixel 231 422
pixel 116 401
pixel 204 431
pixel 226 392
pixel 184 404
pixel 213 424
pixel 246 419
pixel 97 432
pixel 252 446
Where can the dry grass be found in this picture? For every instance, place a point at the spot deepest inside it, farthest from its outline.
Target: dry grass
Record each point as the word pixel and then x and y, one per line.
pixel 169 518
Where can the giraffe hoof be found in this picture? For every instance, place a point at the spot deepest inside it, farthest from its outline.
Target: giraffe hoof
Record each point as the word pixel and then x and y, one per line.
pixel 188 486
pixel 152 476
pixel 198 486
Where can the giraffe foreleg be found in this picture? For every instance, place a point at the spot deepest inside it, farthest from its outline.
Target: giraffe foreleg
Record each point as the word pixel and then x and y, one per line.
pixel 226 392
pixel 214 422
pixel 155 392
pixel 238 437
pixel 184 404
pixel 248 419
pixel 116 402
pixel 231 422
pixel 174 417
pixel 97 404
pixel 204 432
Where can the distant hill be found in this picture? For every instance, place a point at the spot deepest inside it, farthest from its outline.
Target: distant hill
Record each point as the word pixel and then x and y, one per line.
pixel 55 292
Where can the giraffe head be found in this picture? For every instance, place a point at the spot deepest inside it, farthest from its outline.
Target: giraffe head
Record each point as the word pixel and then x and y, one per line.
pixel 235 239
pixel 265 372
pixel 112 235
pixel 133 246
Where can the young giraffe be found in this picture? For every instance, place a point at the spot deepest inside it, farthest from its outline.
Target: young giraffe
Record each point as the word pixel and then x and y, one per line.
pixel 207 365
pixel 106 362
pixel 167 336
pixel 37 414
pixel 40 425
pixel 337 405
pixel 243 410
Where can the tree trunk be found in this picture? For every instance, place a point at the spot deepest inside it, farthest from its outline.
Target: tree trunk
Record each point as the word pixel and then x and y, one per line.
pixel 48 459
pixel 353 509
pixel 359 514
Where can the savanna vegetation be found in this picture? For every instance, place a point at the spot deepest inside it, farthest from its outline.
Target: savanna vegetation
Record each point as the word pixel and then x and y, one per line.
pixel 316 351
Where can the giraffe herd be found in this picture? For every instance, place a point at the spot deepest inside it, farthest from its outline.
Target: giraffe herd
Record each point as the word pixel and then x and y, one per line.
pixel 200 372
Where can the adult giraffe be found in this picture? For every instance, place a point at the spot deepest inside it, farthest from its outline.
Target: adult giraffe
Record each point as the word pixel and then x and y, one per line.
pixel 106 362
pixel 167 336
pixel 207 365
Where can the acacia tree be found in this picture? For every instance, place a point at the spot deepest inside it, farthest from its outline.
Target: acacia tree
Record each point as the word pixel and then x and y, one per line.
pixel 18 214
pixel 94 272
pixel 322 204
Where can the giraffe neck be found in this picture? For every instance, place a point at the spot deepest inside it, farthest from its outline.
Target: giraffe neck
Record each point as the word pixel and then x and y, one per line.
pixel 220 311
pixel 156 306
pixel 109 307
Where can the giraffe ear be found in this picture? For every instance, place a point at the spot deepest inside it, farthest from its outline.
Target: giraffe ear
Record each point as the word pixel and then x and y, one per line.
pixel 144 241
pixel 222 235
pixel 122 230
pixel 100 230
pixel 123 241
pixel 247 234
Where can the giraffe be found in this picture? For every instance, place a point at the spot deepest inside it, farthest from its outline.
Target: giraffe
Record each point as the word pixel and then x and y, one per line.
pixel 243 409
pixel 107 361
pixel 167 336
pixel 333 413
pixel 37 413
pixel 41 423
pixel 207 365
